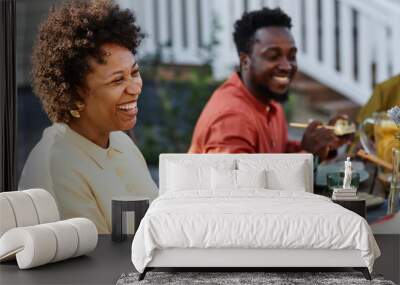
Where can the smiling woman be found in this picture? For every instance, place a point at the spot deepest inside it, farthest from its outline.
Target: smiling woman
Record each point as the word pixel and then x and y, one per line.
pixel 109 96
pixel 87 78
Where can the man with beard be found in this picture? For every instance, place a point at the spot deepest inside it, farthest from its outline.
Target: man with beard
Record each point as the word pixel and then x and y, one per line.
pixel 244 114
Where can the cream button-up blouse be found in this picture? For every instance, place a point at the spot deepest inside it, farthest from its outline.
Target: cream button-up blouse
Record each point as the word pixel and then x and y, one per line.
pixel 84 177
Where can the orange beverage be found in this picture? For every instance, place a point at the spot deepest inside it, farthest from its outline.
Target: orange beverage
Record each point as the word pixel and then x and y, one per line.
pixel 385 139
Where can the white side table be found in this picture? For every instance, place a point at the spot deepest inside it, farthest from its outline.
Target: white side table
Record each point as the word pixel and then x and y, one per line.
pixel 122 204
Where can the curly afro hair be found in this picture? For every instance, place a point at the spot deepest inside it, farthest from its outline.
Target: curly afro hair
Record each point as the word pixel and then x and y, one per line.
pixel 245 28
pixel 70 35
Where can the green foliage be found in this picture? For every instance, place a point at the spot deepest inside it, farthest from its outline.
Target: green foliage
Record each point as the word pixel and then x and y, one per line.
pixel 172 115
pixel 169 109
pixel 289 106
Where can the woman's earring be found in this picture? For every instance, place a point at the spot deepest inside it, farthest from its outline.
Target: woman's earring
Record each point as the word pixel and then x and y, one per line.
pixel 75 113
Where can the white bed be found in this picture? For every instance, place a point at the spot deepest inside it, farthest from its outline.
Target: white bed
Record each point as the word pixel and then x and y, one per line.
pixel 247 210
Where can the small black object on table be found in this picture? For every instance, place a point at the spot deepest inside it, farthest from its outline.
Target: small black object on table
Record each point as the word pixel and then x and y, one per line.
pixel 358 206
pixel 122 204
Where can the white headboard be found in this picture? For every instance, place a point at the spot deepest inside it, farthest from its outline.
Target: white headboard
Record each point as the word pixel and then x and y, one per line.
pixel 307 158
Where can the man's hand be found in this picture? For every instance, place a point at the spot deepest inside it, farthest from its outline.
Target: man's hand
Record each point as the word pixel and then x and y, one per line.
pixel 319 140
pixel 346 139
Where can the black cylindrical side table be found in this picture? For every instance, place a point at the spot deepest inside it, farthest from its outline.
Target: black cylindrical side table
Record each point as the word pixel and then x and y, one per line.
pixel 122 204
pixel 357 206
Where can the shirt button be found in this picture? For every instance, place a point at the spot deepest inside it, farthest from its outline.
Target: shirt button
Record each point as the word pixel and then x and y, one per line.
pixel 119 172
pixel 110 153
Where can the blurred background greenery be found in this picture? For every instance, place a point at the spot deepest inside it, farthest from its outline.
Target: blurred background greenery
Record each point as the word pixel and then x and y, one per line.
pixel 170 104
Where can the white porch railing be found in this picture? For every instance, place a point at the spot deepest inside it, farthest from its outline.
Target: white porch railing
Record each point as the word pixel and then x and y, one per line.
pixel 347 45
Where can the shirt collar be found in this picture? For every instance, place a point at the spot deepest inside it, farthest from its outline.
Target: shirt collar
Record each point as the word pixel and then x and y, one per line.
pixel 269 108
pixel 98 154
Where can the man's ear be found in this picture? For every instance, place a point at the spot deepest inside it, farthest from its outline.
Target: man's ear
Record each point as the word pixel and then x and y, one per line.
pixel 244 61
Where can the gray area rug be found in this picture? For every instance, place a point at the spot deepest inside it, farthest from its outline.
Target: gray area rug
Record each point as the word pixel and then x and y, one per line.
pixel 273 278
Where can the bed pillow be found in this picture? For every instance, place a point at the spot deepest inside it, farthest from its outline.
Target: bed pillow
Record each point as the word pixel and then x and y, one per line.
pixel 251 178
pixel 188 175
pixel 237 179
pixel 281 174
pixel 223 179
pixel 278 180
pixel 183 178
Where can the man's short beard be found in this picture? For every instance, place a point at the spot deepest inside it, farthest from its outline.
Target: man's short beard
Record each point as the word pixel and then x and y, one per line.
pixel 270 95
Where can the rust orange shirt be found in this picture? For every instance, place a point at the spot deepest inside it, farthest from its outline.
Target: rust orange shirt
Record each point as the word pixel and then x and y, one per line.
pixel 234 121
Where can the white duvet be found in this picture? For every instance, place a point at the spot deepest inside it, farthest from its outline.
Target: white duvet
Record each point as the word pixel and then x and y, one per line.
pixel 252 218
